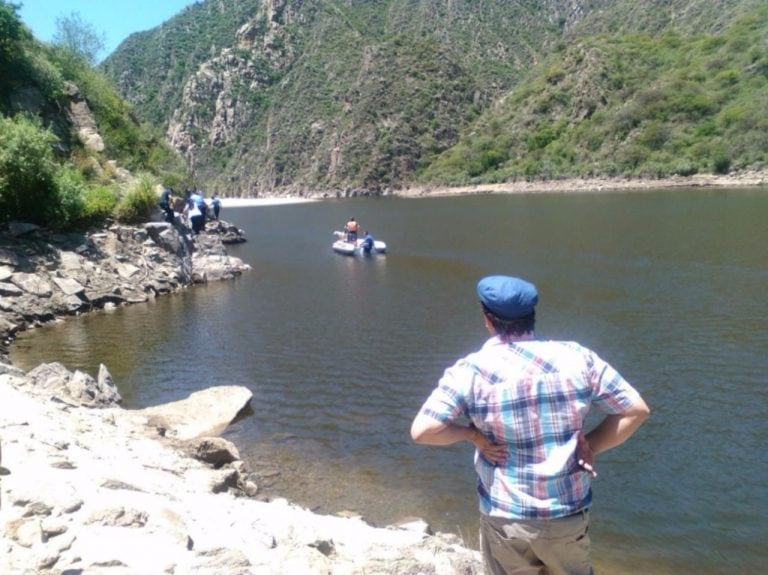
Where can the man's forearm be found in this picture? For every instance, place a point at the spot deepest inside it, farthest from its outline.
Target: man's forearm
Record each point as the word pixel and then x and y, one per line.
pixel 616 429
pixel 431 432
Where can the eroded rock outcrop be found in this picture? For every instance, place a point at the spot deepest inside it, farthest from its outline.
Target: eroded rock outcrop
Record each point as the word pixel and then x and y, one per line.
pixel 44 275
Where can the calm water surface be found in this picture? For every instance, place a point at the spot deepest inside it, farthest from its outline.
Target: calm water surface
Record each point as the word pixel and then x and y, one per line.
pixel 670 287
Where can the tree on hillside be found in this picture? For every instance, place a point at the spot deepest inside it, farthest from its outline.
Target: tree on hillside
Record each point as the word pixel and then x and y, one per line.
pixel 79 37
pixel 12 32
pixel 11 28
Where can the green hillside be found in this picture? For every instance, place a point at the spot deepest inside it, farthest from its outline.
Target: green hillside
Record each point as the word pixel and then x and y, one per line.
pixel 150 68
pixel 265 98
pixel 631 104
pixel 363 96
pixel 331 95
pixel 72 152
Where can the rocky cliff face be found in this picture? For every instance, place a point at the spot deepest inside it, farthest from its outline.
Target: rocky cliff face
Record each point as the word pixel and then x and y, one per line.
pixel 225 100
pixel 216 102
pixel 305 95
pixel 220 83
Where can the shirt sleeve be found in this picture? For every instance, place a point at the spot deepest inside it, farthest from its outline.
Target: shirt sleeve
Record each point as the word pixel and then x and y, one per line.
pixel 611 392
pixel 449 400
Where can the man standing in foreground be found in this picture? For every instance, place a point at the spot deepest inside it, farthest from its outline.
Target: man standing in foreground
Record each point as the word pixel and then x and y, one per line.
pixel 524 402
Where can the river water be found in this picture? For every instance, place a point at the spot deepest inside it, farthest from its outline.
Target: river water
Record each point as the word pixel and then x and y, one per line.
pixel 671 287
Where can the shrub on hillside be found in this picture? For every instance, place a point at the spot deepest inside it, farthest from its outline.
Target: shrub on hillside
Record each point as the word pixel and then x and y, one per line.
pixel 100 203
pixel 82 203
pixel 70 186
pixel 27 172
pixel 138 203
pixel 12 35
pixel 721 163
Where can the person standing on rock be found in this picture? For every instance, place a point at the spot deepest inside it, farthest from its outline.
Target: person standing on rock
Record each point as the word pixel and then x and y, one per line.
pixel 216 203
pixel 165 204
pixel 523 402
pixel 194 213
pixel 199 199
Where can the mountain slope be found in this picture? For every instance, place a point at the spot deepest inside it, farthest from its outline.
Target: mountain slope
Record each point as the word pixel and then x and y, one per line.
pixel 627 105
pixel 330 94
pixel 285 96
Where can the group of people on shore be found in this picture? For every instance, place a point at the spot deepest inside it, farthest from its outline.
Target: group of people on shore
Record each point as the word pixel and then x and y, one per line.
pixel 195 211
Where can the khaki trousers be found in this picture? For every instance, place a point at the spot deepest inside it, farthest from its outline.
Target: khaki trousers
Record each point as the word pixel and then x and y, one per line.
pixel 536 546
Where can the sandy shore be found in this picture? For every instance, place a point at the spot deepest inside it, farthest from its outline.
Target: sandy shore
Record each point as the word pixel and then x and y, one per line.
pixel 575 185
pixel 752 179
pixel 272 201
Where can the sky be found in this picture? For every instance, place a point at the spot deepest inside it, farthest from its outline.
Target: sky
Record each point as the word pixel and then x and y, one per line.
pixel 114 19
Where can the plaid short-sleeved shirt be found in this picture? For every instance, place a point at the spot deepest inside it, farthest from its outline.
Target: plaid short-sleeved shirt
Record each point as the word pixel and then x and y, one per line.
pixel 534 396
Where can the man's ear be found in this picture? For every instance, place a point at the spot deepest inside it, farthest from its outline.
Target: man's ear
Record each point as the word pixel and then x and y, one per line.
pixel 489 324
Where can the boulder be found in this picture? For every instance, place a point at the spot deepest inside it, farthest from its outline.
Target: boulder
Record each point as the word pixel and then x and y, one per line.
pixel 54 381
pixel 216 451
pixel 203 413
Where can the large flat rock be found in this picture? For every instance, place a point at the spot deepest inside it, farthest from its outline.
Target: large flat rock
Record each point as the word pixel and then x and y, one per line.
pixel 204 413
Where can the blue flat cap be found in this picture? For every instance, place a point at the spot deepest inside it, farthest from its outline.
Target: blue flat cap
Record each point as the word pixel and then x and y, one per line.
pixel 507 297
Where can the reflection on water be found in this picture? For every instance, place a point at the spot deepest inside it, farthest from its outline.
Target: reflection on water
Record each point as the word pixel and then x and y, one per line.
pixel 341 351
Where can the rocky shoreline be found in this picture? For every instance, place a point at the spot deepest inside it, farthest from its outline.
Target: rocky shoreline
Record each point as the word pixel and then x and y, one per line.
pixel 45 276
pixel 89 487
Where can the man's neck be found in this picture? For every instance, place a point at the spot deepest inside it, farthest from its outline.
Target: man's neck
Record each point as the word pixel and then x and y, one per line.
pixel 527 336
